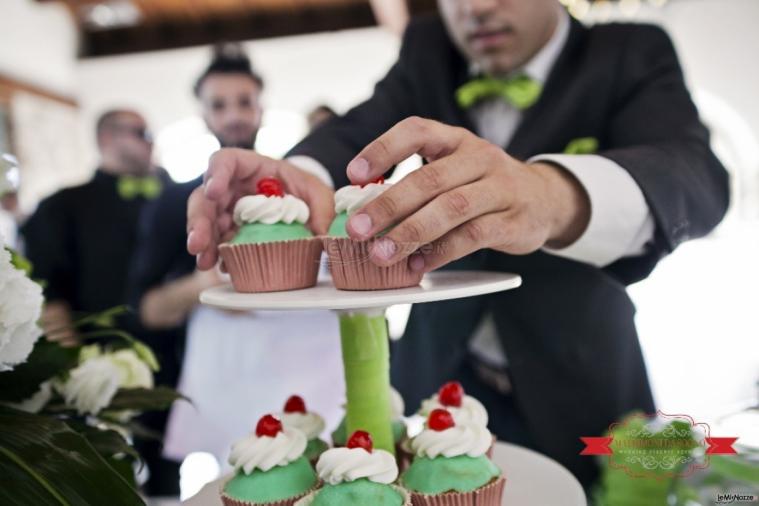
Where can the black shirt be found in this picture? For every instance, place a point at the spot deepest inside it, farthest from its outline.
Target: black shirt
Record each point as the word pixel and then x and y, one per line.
pixel 80 242
pixel 161 252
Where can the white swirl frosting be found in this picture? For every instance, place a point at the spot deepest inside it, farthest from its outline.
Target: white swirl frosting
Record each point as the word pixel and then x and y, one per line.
pixel 353 198
pixel 339 465
pixel 465 439
pixel 269 210
pixel 265 452
pixel 470 411
pixel 397 406
pixel 311 424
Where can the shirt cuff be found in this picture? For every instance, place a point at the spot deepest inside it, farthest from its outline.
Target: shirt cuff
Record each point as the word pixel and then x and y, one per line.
pixel 312 166
pixel 621 224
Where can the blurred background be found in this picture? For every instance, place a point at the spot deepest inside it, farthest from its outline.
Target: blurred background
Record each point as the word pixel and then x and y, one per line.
pixel 63 62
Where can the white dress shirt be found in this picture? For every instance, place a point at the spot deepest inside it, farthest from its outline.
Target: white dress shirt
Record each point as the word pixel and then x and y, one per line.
pixel 621 224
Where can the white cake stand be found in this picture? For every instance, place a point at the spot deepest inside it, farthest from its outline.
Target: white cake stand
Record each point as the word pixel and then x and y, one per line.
pixel 364 339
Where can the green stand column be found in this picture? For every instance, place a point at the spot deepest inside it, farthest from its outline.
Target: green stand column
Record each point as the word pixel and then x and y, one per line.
pixel 366 361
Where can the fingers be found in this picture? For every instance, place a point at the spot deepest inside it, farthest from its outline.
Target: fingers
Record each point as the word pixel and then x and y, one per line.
pixel 202 229
pixel 412 193
pixel 434 220
pixel 486 231
pixel 318 196
pixel 230 166
pixel 430 139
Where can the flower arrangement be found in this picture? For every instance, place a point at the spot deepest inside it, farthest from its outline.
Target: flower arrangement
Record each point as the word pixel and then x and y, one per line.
pixel 67 412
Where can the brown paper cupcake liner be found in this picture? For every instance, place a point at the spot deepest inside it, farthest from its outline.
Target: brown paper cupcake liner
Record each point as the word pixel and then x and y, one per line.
pixel 488 495
pixel 231 501
pixel 306 501
pixel 403 455
pixel 351 268
pixel 272 266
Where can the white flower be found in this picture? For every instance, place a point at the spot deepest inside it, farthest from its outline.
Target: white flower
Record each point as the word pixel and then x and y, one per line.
pixel 20 307
pixel 92 385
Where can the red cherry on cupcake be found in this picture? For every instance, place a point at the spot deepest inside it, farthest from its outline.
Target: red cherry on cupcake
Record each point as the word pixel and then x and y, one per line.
pixel 451 394
pixel 361 439
pixel 440 419
pixel 269 426
pixel 295 404
pixel 271 187
pixel 379 180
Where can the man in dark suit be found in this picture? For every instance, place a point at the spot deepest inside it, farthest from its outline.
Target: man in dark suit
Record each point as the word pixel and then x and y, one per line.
pixel 573 156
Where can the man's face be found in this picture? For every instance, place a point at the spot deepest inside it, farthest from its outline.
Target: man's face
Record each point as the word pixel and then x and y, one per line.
pixel 500 35
pixel 127 140
pixel 231 108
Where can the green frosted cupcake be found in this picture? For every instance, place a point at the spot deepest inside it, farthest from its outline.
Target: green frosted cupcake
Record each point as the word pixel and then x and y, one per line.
pixel 450 465
pixel 311 424
pixel 272 250
pixel 348 258
pixel 357 474
pixel 270 467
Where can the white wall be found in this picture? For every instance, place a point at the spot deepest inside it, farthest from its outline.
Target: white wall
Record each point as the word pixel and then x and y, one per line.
pixel 338 68
pixel 38 44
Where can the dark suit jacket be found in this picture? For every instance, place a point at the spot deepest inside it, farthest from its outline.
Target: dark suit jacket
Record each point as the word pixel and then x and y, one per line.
pixel 568 331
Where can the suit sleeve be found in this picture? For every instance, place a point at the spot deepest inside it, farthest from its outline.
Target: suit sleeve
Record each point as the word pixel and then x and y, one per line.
pixel 658 138
pixel 340 139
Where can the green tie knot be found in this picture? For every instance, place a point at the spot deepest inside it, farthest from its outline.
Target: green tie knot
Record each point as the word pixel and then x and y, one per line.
pixel 521 91
pixel 130 187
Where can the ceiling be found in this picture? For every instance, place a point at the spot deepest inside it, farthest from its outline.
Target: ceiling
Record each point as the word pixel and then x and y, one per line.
pixel 110 27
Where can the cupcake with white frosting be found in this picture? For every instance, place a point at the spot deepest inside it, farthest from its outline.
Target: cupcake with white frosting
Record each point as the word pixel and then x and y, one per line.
pixel 270 468
pixel 451 466
pixel 349 261
pixel 272 250
pixel 311 424
pixel 357 474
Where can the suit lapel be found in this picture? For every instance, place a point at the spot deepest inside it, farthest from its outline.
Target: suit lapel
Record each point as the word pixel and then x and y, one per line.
pixel 536 120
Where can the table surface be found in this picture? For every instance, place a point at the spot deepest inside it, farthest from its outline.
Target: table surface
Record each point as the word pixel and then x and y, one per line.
pixel 440 285
pixel 531 479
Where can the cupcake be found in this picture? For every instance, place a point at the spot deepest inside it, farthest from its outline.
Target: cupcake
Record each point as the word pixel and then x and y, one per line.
pixel 357 475
pixel 450 466
pixel 272 250
pixel 464 408
pixel 270 467
pixel 397 407
pixel 311 424
pixel 349 261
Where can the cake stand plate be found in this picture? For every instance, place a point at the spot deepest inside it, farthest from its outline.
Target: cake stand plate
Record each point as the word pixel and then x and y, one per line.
pixel 441 285
pixel 532 479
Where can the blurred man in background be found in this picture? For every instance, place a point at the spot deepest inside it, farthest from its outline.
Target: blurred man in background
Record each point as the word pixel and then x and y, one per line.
pixel 228 357
pixel 80 240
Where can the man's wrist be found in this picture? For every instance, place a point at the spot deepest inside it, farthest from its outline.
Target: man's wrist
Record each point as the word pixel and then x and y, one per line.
pixel 568 201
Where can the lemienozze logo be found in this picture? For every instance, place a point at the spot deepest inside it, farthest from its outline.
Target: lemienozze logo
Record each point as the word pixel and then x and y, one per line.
pixel 736 498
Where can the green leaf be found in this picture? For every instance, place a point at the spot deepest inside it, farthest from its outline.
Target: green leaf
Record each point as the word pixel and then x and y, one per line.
pixel 107 442
pixel 144 399
pixel 48 359
pixel 44 462
pixel 145 353
pixel 20 262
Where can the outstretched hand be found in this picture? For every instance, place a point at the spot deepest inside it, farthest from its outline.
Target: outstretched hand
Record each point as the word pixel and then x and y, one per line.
pixel 232 174
pixel 471 195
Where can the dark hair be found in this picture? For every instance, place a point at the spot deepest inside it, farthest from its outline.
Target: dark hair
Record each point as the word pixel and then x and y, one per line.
pixel 109 117
pixel 228 58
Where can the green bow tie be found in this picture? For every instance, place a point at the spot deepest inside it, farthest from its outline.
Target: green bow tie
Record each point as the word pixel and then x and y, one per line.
pixel 130 187
pixel 520 91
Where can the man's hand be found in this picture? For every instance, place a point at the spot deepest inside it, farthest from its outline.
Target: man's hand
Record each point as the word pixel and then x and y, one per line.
pixel 471 195
pixel 232 174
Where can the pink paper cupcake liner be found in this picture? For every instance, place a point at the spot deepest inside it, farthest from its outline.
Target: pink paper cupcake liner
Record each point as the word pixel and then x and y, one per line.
pixel 306 501
pixel 272 266
pixel 488 495
pixel 231 501
pixel 352 270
